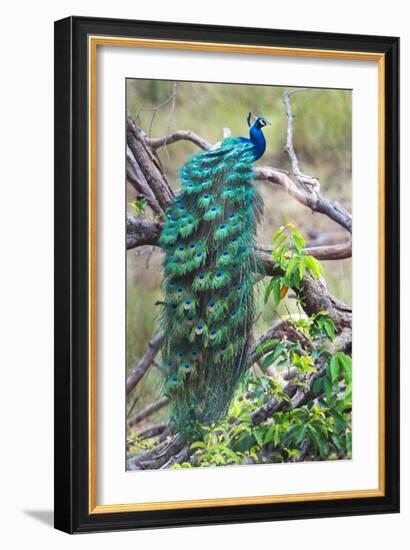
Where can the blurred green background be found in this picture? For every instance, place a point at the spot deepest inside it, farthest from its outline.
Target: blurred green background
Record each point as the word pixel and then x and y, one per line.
pixel 322 140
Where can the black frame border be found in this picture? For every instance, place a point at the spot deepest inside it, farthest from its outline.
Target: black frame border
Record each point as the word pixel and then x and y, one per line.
pixel 71 275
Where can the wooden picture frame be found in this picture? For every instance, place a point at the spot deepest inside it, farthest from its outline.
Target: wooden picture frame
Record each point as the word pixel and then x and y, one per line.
pixel 76 43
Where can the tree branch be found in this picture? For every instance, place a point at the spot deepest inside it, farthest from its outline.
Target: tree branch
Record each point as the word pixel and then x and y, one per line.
pixel 152 431
pixel 316 203
pixel 141 231
pixel 137 179
pixel 340 251
pixel 149 165
pixel 145 362
pixel 148 411
pixel 309 183
pixel 185 135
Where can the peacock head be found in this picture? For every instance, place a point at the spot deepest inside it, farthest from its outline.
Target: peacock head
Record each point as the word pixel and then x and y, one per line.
pixel 258 122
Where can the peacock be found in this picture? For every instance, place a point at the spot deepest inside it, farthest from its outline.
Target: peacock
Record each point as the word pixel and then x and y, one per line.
pixel 209 265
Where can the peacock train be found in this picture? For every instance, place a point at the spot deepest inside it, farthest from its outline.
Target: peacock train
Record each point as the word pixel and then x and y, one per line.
pixel 209 266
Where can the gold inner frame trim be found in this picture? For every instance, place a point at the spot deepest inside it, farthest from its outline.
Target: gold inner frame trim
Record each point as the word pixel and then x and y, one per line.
pixel 93 42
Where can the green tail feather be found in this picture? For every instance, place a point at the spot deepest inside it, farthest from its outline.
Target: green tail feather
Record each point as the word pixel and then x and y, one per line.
pixel 208 283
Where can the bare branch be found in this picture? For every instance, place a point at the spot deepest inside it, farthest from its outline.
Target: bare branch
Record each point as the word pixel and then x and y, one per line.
pixel 332 252
pixel 186 135
pixel 152 431
pixel 316 297
pixel 149 164
pixel 157 457
pixel 316 203
pixel 309 183
pixel 148 411
pixel 338 251
pixel 141 231
pixel 145 362
pixel 137 179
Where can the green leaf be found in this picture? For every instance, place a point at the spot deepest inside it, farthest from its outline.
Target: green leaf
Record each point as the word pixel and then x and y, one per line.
pixel 298 240
pixel 337 442
pixel 258 435
pixel 329 327
pixel 277 241
pixel 139 205
pixel 334 367
pixel 328 388
pixel 276 437
pixel 269 434
pixel 278 233
pixel 268 360
pixel 301 435
pixel 346 362
pixel 317 385
pixel 314 267
pixel 268 290
pixel 314 436
pixel 198 445
pixel 266 346
pixel 276 291
pixel 273 288
pixel 340 421
pixel 291 266
pixel 302 266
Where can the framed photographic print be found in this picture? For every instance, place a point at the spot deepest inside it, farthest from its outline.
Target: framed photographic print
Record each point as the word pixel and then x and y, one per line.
pixel 226 338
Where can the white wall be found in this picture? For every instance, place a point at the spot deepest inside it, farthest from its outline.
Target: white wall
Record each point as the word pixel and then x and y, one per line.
pixel 26 269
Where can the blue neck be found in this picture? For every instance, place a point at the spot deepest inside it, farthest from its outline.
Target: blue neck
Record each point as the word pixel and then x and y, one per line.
pixel 258 140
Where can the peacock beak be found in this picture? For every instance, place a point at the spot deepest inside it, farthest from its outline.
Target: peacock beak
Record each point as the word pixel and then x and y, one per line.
pixel 268 123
